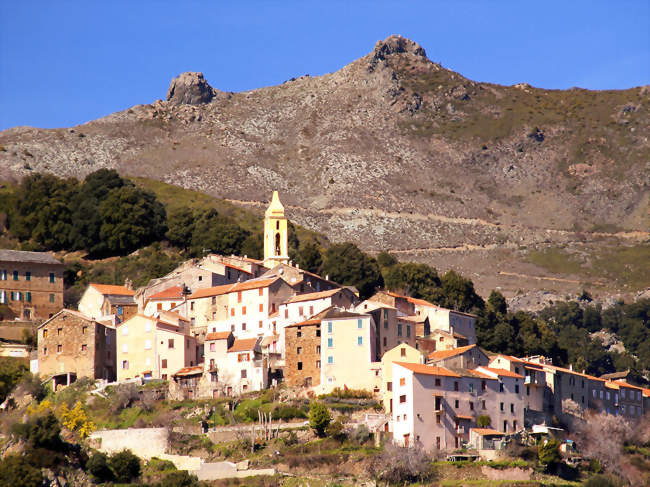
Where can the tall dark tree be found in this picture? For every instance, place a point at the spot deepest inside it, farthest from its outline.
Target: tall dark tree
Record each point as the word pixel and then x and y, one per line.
pixel 180 226
pixel 457 292
pixel 309 257
pixel 346 264
pixel 417 280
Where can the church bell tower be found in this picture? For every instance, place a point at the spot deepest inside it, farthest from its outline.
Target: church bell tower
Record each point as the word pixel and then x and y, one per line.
pixel 276 249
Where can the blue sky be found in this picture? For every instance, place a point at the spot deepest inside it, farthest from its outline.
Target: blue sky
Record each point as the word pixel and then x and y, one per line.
pixel 63 63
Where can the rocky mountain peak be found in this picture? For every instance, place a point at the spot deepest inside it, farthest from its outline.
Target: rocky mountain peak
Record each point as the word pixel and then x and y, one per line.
pixel 396 44
pixel 190 89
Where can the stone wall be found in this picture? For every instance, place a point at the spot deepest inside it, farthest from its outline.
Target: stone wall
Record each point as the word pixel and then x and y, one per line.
pixel 143 442
pixel 308 357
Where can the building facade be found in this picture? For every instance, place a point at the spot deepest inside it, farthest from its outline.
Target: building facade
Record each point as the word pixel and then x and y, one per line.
pixel 31 284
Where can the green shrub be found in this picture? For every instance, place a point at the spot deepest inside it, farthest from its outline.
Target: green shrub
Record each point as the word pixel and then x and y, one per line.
pixel 98 467
pixel 179 478
pixel 361 434
pixel 15 470
pixel 600 481
pixel 40 431
pixel 483 421
pixel 125 466
pixel 549 454
pixel 335 431
pixel 319 418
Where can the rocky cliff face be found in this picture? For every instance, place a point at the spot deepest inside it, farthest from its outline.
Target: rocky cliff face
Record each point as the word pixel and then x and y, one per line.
pixel 393 152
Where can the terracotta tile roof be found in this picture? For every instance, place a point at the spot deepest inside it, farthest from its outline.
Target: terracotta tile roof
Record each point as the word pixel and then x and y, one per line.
pixel 503 372
pixel 219 335
pixel 462 416
pixel 197 369
pixel 311 296
pixel 169 293
pixel 427 369
pixel 511 358
pixel 612 385
pixel 413 318
pixel 238 268
pixel 305 323
pixel 487 432
pixel 443 354
pixel 112 289
pixel 646 392
pixel 274 314
pixel 625 384
pixel 243 345
pixel 211 291
pixel 254 284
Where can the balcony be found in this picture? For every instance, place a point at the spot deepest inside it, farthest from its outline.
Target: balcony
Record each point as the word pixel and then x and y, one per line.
pixel 528 380
pixel 460 430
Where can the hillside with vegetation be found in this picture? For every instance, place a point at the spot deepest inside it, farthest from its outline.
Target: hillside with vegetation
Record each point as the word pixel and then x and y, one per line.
pixel 521 187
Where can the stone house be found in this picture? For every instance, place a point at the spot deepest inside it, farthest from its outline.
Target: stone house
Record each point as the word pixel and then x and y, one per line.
pixel 385 318
pixel 400 353
pixel 108 302
pixel 188 382
pixel 435 407
pixel 72 345
pixel 454 322
pixel 301 280
pixel 303 353
pixel 468 357
pixel 411 327
pixel 442 340
pixel 150 347
pixel 31 284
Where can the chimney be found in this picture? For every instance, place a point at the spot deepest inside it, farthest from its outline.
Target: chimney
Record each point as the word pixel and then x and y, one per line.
pixel 128 283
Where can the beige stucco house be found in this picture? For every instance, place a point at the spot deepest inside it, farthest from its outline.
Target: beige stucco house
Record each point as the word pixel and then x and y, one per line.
pixel 400 353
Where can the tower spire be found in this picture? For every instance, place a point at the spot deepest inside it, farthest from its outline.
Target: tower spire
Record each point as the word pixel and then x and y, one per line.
pixel 276 249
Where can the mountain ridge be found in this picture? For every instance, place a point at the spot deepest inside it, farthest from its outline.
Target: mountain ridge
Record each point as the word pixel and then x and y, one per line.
pixel 388 135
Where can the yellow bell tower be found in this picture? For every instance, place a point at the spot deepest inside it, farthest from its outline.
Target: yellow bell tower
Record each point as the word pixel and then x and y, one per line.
pixel 276 249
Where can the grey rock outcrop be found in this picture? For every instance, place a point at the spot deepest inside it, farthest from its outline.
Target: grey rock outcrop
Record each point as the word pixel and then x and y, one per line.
pixel 190 89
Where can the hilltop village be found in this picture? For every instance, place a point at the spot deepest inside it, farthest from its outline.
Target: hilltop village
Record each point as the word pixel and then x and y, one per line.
pixel 229 325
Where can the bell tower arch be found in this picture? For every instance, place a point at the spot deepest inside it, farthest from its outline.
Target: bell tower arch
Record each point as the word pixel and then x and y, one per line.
pixel 276 246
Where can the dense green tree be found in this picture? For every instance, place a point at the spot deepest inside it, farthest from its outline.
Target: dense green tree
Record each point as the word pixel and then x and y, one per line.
pixel 98 467
pixel 253 246
pixel 549 454
pixel 457 292
pixel 180 226
pixel 40 431
pixel 125 466
pixel 309 257
pixel 346 264
pixel 43 213
pixel 15 470
pixel 385 260
pixel 417 280
pixel 216 234
pixel 131 218
pixel 497 302
pixel 319 418
pixel 11 371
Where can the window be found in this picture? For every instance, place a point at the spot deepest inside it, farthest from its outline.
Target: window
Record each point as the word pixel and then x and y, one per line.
pixel 299 365
pixel 528 391
pixel 239 296
pixel 389 386
pixel 51 277
pixel 471 387
pixel 170 343
pixel 359 323
pixel 244 374
pixel 623 393
pixel 84 347
pixel 243 310
pixel 608 396
pixel 45 333
pixel 28 296
pixel 125 365
pixel 84 330
pixel 51 298
pixel 311 311
pixel 471 406
pixel 402 399
pixel 163 363
pixel 191 305
pixel 3 296
pixel 318 364
pixel 329 327
pixel 147 344
pixel 501 406
pixel 28 276
pixel 59 331
pixel 200 278
pixel 125 348
pixel 512 408
pixel 243 327
pixel 399 329
pixel 260 292
pixel 456 385
pixel 164 376
pixel 359 340
pixel 330 359
pixel 500 386
pixel 4 274
pixel 260 324
pixel 402 381
pixel 300 310
pixel 330 342
pixel 159 307
pixel 299 333
pixel 483 403
pixel 517 388
pixel 299 350
pixel 44 350
pixel 59 348
pixel 595 392
pixel 243 357
pixel 438 382
pixel 408 331
pixel 286 313
pixel 385 342
pixel 317 348
pixel 402 352
pixel 261 308
pixel 15 275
